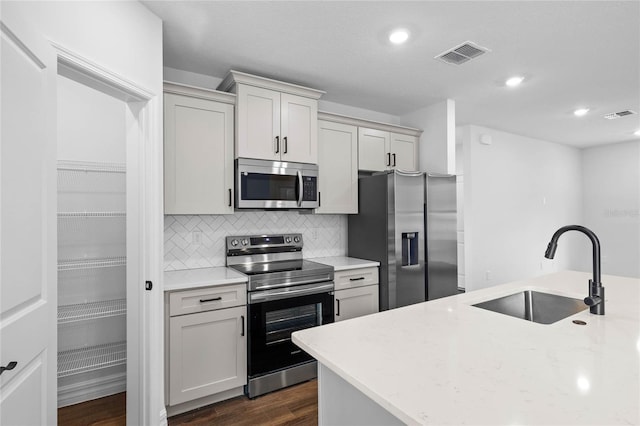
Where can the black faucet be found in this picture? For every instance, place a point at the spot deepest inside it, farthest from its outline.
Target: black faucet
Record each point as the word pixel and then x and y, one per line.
pixel 595 301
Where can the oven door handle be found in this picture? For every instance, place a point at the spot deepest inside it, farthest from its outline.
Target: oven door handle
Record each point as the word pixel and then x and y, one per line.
pixel 300 188
pixel 266 296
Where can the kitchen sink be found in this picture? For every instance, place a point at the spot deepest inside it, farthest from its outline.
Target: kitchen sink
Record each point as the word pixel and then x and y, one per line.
pixel 536 306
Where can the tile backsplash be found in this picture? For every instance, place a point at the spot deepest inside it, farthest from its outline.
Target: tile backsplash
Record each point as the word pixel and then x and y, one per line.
pixel 198 241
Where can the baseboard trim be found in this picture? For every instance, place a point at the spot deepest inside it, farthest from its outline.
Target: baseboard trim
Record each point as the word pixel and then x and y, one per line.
pixel 91 389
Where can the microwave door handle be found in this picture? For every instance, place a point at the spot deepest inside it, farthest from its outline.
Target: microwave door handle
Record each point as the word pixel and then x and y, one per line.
pixel 299 188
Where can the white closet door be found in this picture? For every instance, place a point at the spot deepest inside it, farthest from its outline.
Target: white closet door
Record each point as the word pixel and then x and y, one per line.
pixel 28 226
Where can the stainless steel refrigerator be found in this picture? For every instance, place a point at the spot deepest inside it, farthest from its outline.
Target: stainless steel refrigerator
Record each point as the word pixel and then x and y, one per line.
pixel 407 222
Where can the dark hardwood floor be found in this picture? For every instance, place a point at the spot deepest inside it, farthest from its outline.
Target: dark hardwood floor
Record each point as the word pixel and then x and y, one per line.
pixel 107 411
pixel 296 405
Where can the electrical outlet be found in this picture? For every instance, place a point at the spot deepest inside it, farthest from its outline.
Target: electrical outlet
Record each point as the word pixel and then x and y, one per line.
pixel 196 237
pixel 314 233
pixel 487 276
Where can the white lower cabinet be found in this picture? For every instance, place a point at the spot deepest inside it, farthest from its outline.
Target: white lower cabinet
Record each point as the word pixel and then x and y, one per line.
pixel 207 350
pixel 356 302
pixel 356 293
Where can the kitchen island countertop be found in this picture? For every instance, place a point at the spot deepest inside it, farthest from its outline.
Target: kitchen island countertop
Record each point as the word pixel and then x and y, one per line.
pixel 447 362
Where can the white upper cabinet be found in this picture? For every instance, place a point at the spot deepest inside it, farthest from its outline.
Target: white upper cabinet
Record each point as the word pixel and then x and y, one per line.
pixel 299 128
pixel 198 151
pixel 338 166
pixel 257 123
pixel 274 120
pixel 404 152
pixel 381 150
pixel 373 149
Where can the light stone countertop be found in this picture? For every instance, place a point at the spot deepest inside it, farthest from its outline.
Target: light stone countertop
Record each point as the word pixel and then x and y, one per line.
pixel 446 362
pixel 344 263
pixel 204 277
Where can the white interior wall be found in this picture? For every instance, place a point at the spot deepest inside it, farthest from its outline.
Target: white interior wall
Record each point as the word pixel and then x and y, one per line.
pixel 611 205
pixel 437 149
pixel 517 192
pixel 91 125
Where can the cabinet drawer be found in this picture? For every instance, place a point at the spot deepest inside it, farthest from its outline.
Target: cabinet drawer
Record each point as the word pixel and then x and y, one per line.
pixel 355 278
pixel 207 299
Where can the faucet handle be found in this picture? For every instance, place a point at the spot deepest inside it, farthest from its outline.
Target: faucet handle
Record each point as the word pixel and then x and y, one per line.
pixel 592 300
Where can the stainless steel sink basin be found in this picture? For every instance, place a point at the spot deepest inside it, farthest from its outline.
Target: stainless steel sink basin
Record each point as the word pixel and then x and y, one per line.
pixel 543 308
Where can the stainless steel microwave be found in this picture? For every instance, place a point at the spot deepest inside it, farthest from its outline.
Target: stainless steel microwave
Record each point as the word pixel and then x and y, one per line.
pixel 265 184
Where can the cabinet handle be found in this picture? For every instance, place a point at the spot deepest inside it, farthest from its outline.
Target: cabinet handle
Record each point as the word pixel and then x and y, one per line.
pixel 285 144
pixel 337 307
pixel 230 196
pixel 277 144
pixel 394 159
pixel 9 366
pixel 388 159
pixel 356 279
pixel 319 199
pixel 213 299
pixel 242 330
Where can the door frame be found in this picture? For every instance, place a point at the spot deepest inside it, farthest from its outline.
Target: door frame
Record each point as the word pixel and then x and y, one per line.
pixel 145 380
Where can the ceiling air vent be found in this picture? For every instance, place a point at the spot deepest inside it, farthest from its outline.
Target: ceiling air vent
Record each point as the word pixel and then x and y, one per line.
pixel 614 115
pixel 462 53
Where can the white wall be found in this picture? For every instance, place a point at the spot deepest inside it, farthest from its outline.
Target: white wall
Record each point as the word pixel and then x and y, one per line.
pixel 611 205
pixel 517 192
pixel 437 149
pixel 124 37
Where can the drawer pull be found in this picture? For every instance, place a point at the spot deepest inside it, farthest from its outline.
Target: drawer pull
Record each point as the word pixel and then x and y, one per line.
pixel 213 299
pixel 356 279
pixel 242 320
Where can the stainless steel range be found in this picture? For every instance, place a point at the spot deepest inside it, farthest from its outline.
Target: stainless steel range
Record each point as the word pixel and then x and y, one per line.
pixel 285 294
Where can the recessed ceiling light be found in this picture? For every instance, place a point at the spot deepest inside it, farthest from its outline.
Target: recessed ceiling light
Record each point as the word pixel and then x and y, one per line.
pixel 581 111
pixel 514 81
pixel 398 36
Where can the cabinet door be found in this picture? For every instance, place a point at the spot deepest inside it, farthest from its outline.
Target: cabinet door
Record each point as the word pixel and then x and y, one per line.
pixel 258 123
pixel 338 168
pixel 373 149
pixel 198 156
pixel 299 129
pixel 405 148
pixel 207 353
pixel 355 302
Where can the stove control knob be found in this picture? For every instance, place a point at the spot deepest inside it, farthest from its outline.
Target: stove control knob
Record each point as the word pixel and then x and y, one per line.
pixel 234 243
pixel 287 239
pixel 296 239
pixel 245 242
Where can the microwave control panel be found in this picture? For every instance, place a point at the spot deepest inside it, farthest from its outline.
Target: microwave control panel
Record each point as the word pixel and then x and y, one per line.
pixel 309 188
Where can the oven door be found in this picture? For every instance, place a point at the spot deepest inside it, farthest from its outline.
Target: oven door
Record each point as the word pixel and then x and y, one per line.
pixel 262 184
pixel 274 315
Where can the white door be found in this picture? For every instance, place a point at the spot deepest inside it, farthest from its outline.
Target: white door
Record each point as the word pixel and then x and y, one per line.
pixel 27 226
pixel 404 154
pixel 338 164
pixel 258 123
pixel 373 150
pixel 299 128
pixel 198 156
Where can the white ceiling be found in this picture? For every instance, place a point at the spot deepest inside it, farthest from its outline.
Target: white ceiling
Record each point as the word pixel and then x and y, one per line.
pixel 572 53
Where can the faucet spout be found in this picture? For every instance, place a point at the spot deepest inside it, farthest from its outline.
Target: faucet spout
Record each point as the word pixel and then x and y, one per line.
pixel 595 301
